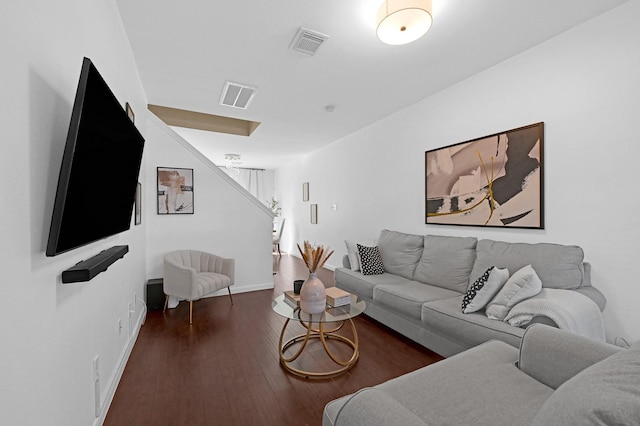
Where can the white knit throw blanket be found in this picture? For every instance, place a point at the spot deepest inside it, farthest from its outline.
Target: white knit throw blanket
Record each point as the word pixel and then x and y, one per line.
pixel 570 310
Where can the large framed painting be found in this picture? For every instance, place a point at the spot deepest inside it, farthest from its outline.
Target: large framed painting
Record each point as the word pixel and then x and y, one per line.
pixel 175 190
pixel 492 181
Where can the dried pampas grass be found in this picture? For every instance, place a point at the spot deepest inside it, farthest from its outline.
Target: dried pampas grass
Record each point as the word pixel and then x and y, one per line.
pixel 314 257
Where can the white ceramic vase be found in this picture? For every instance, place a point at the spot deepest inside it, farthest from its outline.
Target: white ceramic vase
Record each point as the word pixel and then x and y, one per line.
pixel 313 297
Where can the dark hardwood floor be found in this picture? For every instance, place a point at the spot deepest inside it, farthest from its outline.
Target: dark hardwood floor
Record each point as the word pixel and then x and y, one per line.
pixel 224 369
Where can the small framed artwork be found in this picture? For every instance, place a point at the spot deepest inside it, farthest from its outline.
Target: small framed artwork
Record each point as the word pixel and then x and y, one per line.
pixel 130 113
pixel 138 205
pixel 305 191
pixel 492 181
pixel 175 190
pixel 314 213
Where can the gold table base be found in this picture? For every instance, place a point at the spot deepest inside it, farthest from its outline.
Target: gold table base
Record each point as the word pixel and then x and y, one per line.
pixel 324 336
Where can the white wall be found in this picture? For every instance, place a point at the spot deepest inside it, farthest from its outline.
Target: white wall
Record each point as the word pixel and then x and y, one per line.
pixel 227 220
pixel 583 84
pixel 50 332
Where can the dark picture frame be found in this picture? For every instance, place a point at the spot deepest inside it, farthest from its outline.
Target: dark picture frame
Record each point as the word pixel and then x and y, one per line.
pixel 314 214
pixel 175 190
pixel 138 205
pixel 492 181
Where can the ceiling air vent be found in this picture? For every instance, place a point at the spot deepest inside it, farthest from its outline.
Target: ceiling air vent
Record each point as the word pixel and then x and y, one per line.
pixel 237 95
pixel 308 42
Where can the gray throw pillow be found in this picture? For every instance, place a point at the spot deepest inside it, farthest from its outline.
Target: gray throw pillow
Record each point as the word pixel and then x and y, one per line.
pixel 483 289
pixel 522 285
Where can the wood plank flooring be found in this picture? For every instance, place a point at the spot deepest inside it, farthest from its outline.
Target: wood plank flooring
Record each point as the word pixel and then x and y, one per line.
pixel 224 369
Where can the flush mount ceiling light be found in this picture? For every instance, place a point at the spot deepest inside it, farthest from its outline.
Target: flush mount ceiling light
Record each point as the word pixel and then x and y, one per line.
pixel 403 21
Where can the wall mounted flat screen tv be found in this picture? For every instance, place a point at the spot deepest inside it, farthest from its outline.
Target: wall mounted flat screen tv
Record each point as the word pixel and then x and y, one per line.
pixel 99 171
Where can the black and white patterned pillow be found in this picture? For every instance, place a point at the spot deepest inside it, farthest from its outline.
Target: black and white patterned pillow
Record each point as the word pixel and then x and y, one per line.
pixel 370 260
pixel 483 289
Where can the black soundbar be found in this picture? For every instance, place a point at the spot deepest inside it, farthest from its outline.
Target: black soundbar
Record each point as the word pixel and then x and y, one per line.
pixel 87 269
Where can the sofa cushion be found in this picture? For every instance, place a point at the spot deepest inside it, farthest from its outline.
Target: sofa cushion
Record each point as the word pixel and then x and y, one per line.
pixel 558 266
pixel 363 285
pixel 483 289
pixel 445 317
pixel 407 298
pixel 520 286
pixel 400 252
pixel 478 387
pixel 370 260
pixel 607 392
pixel 447 261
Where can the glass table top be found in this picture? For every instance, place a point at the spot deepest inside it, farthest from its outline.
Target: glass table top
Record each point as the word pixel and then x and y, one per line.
pixel 286 309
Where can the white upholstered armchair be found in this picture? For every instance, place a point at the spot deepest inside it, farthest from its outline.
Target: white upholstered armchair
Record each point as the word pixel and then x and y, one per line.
pixel 192 274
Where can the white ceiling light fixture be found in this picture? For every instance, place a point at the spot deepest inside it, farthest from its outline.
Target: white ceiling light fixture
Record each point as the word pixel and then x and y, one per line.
pixel 403 21
pixel 237 95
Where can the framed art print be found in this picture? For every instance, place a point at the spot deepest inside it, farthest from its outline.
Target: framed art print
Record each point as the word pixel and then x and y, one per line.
pixel 138 205
pixel 130 113
pixel 175 190
pixel 305 191
pixel 493 181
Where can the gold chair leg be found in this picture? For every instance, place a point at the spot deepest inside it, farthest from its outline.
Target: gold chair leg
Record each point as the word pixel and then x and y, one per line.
pixel 166 302
pixel 229 290
pixel 191 312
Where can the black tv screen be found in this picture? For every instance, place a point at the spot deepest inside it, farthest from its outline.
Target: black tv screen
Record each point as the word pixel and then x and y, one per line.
pixel 99 171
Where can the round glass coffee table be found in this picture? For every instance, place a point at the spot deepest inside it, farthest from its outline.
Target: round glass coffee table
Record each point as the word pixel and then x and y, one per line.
pixel 324 327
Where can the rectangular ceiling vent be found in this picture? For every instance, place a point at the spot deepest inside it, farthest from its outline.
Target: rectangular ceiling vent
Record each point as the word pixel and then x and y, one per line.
pixel 308 42
pixel 237 95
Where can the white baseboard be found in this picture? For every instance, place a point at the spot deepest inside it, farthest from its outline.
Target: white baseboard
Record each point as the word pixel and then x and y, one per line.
pixel 115 377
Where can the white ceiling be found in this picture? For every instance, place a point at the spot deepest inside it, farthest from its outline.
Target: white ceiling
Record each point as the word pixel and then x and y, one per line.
pixel 186 50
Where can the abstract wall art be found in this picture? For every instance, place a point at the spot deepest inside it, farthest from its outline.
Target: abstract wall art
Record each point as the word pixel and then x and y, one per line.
pixel 492 181
pixel 175 190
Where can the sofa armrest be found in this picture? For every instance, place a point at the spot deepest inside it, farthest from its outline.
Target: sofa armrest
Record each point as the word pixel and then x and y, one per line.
pixel 373 407
pixel 553 356
pixel 177 279
pixel 229 269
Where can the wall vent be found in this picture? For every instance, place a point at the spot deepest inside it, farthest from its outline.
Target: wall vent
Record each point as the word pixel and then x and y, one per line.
pixel 237 95
pixel 308 42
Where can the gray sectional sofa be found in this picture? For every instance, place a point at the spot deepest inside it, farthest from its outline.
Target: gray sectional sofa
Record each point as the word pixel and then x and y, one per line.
pixel 555 378
pixel 425 278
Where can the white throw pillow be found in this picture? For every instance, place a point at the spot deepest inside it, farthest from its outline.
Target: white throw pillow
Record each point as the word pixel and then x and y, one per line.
pixel 352 252
pixel 483 289
pixel 522 285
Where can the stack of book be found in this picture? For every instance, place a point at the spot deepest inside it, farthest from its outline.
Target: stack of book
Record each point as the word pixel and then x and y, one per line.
pixel 337 297
pixel 292 299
